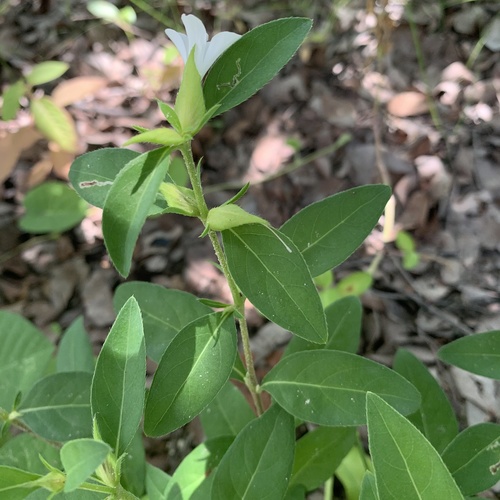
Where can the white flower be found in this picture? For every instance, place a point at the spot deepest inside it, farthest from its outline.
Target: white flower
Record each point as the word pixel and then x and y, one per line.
pixel 206 52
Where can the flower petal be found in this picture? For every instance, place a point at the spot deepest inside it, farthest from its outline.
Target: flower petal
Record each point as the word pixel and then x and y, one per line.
pixel 217 46
pixel 180 41
pixel 197 36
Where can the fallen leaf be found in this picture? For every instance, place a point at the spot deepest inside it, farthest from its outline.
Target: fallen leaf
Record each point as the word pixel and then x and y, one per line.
pixel 408 104
pixel 76 89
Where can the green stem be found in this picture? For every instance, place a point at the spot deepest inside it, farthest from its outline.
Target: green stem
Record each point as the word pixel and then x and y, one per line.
pixel 238 299
pixel 328 489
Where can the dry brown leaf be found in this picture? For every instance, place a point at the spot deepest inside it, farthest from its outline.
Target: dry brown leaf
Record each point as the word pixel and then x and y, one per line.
pixel 76 89
pixel 39 172
pixel 61 160
pixel 408 104
pixel 12 145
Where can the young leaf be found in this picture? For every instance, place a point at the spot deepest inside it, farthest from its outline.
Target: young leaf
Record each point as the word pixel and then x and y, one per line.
pixel 479 354
pixel 169 114
pixel 319 453
pixel 369 487
pixel 52 207
pixel 163 136
pixel 133 469
pixel 352 471
pixel 92 174
pixel 11 97
pixel 24 356
pixel 328 231
pixel 227 414
pixel 74 353
pixel 406 465
pixel 58 407
pixel 55 123
pixel 165 312
pixel 259 462
pixel 343 320
pixel 252 61
pixel 46 72
pixel 329 387
pixel 229 216
pixel 271 272
pixel 473 458
pixel 119 380
pixel 16 484
pixel 156 482
pixel 128 203
pixel 435 417
pixel 193 369
pixel 80 458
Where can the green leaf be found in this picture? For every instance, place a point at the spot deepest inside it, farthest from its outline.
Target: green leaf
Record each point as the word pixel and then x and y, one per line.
pixel 328 231
pixel 24 356
pixel 118 386
pixel 52 207
pixel 80 458
pixel 16 484
pixel 229 216
pixel 11 97
pixel 92 174
pixel 164 136
pixel 368 487
pixel 479 354
pixel 58 407
pixel 74 353
pixel 343 320
pixel 133 470
pixel 128 202
pixel 352 471
pixel 169 114
pixel 227 414
pixel 406 465
pixel 271 272
pixel 435 417
pixel 473 458
pixel 156 482
pixel 405 242
pixel 193 369
pixel 23 452
pixel 43 494
pixel 355 284
pixel 319 453
pixel 329 387
pixel 259 462
pixel 55 123
pixel 104 10
pixel 195 470
pixel 253 61
pixel 165 312
pixel 46 72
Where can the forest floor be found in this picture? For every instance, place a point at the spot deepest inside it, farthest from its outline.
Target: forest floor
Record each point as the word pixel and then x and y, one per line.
pixel 408 96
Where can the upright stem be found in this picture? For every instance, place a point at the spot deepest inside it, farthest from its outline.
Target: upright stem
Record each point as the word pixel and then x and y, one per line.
pixel 238 299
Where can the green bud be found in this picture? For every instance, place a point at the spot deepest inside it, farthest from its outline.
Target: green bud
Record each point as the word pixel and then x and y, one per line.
pixel 190 104
pixel 53 481
pixel 228 216
pixel 180 200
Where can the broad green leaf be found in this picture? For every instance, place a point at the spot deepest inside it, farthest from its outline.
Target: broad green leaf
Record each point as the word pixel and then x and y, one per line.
pixel 23 452
pixel 328 231
pixel 368 487
pixel 355 283
pixel 128 203
pixel 252 61
pixel 259 462
pixel 196 469
pixel 473 458
pixel 329 387
pixel 156 482
pixel 43 494
pixel 24 356
pixel 118 385
pixel 11 97
pixel 227 414
pixel 297 492
pixel 406 465
pixel 92 174
pixel 55 123
pixel 319 453
pixel 80 458
pixel 58 407
pixel 479 354
pixel 193 369
pixel 16 484
pixel 165 312
pixel 435 418
pixel 271 272
pixel 352 471
pixel 74 353
pixel 343 321
pixel 133 477
pixel 46 72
